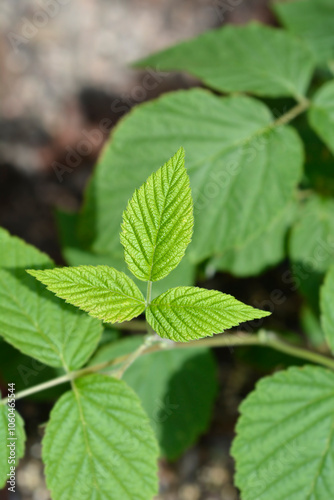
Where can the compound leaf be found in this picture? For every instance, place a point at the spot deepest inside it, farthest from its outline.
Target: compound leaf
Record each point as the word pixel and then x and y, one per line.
pixel 321 113
pixel 102 291
pixel 235 59
pixel 5 440
pixel 158 222
pixel 99 444
pixel 285 437
pixel 187 313
pixel 75 255
pixel 34 321
pixel 241 168
pixel 312 21
pixel 327 310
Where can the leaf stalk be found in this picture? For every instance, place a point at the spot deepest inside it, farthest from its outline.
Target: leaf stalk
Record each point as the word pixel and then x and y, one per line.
pixel 262 339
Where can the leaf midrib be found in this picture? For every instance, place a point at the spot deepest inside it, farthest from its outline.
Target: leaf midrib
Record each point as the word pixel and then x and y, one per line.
pixel 161 215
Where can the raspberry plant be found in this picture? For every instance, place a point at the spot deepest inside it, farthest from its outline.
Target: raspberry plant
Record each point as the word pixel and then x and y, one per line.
pixel 98 442
pixel 261 191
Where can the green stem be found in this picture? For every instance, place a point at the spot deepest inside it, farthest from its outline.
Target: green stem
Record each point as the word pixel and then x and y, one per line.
pixel 148 293
pixel 262 338
pixel 149 339
pixel 149 329
pixel 68 377
pixel 302 106
pixel 275 343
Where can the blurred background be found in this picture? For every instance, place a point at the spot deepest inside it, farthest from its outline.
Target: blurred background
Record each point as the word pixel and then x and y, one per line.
pixel 65 66
pixel 64 63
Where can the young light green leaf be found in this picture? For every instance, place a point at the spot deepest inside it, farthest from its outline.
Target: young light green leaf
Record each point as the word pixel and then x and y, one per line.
pixel 312 21
pixel 242 169
pixel 327 309
pixel 16 446
pixel 285 441
pixel 75 255
pixel 101 291
pixel 34 321
pixel 158 222
pixel 321 113
pixel 188 313
pixel 312 236
pixel 236 59
pixel 99 444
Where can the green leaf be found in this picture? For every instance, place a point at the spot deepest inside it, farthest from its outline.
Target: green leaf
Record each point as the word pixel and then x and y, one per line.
pixel 236 59
pixel 75 255
pixel 312 21
pixel 187 313
pixel 321 113
pixel 262 252
pixel 25 371
pixel 158 222
pixel 327 310
pixel 285 437
pixel 101 291
pixel 319 166
pixel 242 170
pixel 34 321
pixel 99 445
pixel 310 323
pixel 4 442
pixel 312 236
pixel 177 389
